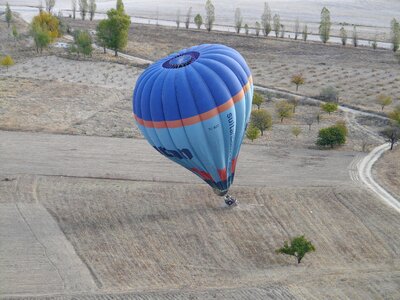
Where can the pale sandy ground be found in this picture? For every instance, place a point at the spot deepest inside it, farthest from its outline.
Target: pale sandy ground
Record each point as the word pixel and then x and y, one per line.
pixel 387 170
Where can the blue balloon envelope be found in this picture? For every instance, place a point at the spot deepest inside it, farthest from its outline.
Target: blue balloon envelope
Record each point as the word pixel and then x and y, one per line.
pixel 194 106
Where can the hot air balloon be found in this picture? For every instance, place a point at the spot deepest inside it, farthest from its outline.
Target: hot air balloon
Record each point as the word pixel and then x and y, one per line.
pixel 193 107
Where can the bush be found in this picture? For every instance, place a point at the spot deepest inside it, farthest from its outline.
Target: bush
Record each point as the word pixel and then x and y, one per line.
pixel 299 247
pixel 331 136
pixel 384 100
pixel 297 79
pixel 7 61
pixel 83 43
pixel 198 20
pixel 261 119
pixel 395 115
pixel 284 109
pixel 258 99
pixel 329 107
pixel 329 94
pixel 296 131
pixel 252 132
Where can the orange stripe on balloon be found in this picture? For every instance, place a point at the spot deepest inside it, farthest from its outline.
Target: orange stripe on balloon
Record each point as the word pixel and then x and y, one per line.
pixel 222 174
pixel 198 118
pixel 203 174
pixel 233 167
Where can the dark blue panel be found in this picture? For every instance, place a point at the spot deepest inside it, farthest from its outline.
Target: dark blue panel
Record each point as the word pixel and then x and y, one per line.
pixel 230 63
pixel 156 106
pixel 169 103
pixel 193 88
pixel 139 89
pixel 230 79
pixel 232 54
pixel 184 95
pixel 145 97
pixel 217 92
pixel 201 93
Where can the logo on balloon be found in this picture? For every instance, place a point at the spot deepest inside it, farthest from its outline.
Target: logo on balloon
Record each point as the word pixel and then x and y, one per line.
pixel 180 154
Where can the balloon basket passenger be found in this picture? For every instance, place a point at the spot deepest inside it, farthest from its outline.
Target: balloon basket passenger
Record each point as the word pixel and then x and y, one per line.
pixel 230 201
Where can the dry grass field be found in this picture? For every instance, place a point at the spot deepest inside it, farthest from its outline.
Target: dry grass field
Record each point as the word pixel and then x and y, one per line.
pixel 162 237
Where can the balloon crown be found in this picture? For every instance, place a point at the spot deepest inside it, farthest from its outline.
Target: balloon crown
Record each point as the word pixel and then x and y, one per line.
pixel 181 60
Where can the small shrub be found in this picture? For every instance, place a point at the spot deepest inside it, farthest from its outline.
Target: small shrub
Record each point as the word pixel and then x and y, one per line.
pixel 329 94
pixel 384 100
pixel 7 61
pixel 252 132
pixel 284 109
pixel 329 107
pixel 257 99
pixel 297 79
pixel 395 115
pixel 261 119
pixel 198 20
pixel 299 247
pixel 296 131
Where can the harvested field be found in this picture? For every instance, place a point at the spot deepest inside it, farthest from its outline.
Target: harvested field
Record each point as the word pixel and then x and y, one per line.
pixel 63 107
pixel 148 236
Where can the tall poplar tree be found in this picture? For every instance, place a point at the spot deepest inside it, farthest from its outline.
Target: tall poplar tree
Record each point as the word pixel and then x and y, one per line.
pixel 210 15
pixel 325 25
pixel 266 20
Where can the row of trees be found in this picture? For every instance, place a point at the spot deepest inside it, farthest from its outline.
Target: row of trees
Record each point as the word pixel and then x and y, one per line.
pixel 84 7
pixel 273 23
